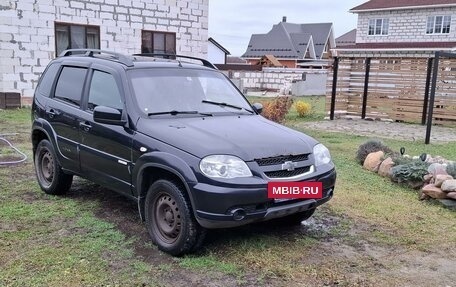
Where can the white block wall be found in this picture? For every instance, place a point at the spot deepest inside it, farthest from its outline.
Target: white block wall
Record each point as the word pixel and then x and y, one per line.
pixel 281 79
pixel 406 26
pixel 27 41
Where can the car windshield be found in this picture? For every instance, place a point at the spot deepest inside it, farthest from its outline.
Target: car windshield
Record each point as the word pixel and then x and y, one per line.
pixel 161 91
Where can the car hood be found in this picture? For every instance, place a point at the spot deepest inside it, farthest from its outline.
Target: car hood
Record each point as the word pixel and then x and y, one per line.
pixel 247 136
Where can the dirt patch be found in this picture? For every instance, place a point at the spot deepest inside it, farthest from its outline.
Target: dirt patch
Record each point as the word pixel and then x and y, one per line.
pixel 366 263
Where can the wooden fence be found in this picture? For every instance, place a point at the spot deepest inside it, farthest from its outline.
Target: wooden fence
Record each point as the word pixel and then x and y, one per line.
pixel 393 89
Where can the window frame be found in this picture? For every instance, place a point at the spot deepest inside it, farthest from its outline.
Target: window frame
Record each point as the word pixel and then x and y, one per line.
pixel 88 83
pixel 89 87
pixel 381 26
pixel 152 32
pixel 83 90
pixel 68 26
pixel 434 25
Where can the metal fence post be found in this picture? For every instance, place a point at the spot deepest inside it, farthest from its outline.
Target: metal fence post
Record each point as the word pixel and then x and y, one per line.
pixel 366 88
pixel 334 87
pixel 435 72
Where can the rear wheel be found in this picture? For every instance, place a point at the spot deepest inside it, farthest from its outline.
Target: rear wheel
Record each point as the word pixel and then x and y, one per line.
pixel 51 178
pixel 169 219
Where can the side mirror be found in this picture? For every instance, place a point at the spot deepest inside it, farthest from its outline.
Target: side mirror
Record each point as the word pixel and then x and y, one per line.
pixel 257 107
pixel 107 115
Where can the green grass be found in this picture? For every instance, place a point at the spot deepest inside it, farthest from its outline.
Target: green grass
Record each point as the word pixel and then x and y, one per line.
pixel 54 241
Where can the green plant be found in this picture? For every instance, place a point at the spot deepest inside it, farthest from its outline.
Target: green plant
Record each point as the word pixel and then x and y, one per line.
pixel 277 109
pixel 411 173
pixel 303 108
pixel 371 146
pixel 451 169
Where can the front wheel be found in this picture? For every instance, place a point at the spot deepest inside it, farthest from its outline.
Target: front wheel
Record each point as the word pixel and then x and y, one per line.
pixel 51 178
pixel 169 219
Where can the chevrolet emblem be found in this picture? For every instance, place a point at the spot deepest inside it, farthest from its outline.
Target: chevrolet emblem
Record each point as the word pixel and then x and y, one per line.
pixel 289 165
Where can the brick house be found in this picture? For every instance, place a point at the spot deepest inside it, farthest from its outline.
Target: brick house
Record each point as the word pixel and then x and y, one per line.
pixel 294 45
pixel 403 27
pixel 34 32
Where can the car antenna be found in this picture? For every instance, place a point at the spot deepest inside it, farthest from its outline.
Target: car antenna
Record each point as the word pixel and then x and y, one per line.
pixel 180 64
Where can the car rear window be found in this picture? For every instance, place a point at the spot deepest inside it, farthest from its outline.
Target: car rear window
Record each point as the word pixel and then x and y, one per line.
pixel 70 84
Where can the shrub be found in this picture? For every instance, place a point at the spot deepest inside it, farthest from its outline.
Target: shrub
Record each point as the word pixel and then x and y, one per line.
pixel 303 108
pixel 371 146
pixel 451 169
pixel 411 173
pixel 277 109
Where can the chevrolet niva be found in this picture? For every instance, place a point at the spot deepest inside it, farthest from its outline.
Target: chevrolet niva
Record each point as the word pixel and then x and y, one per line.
pixel 175 136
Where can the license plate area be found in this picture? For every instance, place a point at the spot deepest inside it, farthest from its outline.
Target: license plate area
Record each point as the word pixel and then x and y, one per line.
pixel 284 191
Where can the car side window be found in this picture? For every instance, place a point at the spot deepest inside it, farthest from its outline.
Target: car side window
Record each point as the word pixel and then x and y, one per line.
pixel 70 84
pixel 47 79
pixel 104 91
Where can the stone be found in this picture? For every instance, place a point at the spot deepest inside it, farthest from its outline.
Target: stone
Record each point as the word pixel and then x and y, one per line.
pixel 450 203
pixel 373 161
pixel 423 196
pixel 428 178
pixel 438 159
pixel 433 191
pixel 440 178
pixel 437 168
pixel 451 195
pixel 428 158
pixel 449 185
pixel 385 167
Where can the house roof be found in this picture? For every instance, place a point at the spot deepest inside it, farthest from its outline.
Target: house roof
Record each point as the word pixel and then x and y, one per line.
pixel 235 60
pixel 400 46
pixel 375 5
pixel 348 38
pixel 219 46
pixel 290 41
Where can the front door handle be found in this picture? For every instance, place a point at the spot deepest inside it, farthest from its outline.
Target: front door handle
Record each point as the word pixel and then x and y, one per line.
pixel 85 126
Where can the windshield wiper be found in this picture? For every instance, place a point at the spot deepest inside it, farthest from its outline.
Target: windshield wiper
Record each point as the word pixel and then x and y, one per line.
pixel 174 112
pixel 226 105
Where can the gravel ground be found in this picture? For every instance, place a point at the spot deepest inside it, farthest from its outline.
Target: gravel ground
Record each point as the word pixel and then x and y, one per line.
pixel 382 129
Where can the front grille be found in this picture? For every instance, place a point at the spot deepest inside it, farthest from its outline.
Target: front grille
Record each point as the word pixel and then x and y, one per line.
pixel 281 159
pixel 286 173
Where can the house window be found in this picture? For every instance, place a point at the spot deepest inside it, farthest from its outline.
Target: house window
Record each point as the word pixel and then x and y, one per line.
pixel 71 36
pixel 438 25
pixel 378 26
pixel 158 42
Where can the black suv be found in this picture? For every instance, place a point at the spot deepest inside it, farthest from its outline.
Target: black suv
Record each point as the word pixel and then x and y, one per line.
pixel 175 136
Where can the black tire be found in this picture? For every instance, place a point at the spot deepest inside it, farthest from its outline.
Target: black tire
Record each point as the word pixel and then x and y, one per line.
pixel 51 178
pixel 293 219
pixel 169 219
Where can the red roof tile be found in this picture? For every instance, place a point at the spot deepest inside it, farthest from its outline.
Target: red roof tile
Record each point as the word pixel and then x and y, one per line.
pixel 392 4
pixel 402 45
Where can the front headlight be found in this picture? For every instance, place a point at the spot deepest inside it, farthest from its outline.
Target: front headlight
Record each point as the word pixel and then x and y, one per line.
pixel 224 166
pixel 321 155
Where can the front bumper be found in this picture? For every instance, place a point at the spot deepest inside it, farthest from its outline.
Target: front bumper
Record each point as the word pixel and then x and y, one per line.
pixel 220 207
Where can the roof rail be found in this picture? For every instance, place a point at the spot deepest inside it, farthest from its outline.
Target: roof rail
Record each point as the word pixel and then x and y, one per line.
pixel 205 62
pixel 126 60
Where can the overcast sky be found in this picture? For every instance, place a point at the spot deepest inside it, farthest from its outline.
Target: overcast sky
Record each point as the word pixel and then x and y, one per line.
pixel 232 22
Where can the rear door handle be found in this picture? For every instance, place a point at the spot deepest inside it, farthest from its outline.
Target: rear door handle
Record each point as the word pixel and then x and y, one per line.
pixel 85 126
pixel 51 113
